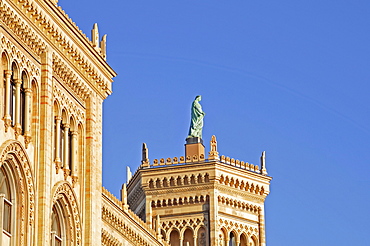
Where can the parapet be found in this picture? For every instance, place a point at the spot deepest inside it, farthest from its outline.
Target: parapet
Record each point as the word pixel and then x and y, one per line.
pixel 193 159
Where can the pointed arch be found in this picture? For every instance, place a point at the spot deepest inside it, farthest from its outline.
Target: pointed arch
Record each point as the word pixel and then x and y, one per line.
pixel 243 239
pixel 4 67
pixel 65 203
pixel 14 159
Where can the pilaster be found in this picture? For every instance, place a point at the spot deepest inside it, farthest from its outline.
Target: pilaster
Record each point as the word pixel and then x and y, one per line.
pixel 213 212
pixel 92 172
pixel 44 185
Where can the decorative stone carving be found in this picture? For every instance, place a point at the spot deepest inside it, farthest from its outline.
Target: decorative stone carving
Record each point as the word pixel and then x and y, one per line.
pixel 213 154
pixel 13 152
pixel 63 190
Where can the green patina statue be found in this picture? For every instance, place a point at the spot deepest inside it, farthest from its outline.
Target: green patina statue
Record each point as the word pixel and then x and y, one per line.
pixel 197 116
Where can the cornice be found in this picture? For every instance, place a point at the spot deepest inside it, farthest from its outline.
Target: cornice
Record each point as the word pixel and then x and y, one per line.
pixel 236 192
pixel 48 25
pixel 199 187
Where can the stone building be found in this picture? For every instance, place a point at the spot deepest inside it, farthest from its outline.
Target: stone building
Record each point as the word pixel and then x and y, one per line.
pixel 54 82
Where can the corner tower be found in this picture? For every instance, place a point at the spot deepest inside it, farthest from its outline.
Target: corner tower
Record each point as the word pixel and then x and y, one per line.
pixel 193 200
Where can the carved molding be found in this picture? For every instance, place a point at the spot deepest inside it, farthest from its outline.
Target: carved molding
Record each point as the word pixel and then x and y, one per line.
pixel 186 200
pixel 13 152
pixel 63 191
pixel 242 184
pixel 14 54
pixel 195 223
pixel 126 229
pixel 20 27
pixel 71 107
pixel 226 226
pixel 237 204
pixel 70 78
pixel 41 26
pixel 109 240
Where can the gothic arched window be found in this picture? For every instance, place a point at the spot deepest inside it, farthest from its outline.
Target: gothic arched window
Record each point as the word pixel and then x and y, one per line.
pixel 58 235
pixel 22 103
pixel 7 198
pixel 12 99
pixel 232 240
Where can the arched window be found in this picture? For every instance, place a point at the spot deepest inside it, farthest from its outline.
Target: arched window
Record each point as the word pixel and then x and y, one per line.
pixel 232 239
pixel 70 144
pixel 243 240
pixel 61 143
pixel 7 209
pixel 22 109
pixel 174 238
pixel 58 235
pixel 12 98
pixel 6 194
pixel 202 237
pixel 188 238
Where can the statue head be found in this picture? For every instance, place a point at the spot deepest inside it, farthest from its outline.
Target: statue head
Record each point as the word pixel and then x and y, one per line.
pixel 198 98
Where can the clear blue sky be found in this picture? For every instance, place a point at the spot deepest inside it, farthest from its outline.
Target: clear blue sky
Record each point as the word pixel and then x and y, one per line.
pixel 288 77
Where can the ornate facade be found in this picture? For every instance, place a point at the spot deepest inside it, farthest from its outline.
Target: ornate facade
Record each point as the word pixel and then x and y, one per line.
pixel 54 81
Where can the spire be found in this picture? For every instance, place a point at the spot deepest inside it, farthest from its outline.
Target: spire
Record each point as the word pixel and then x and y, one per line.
pixel 129 174
pixel 263 163
pixel 95 36
pixel 124 197
pixel 213 154
pixel 103 47
pixel 144 156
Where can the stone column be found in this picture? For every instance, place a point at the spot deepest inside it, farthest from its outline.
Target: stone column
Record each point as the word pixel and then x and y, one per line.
pixel 27 116
pixel 57 160
pixel 18 127
pixel 7 119
pixel 181 241
pixel 213 217
pixel 66 156
pixel 74 152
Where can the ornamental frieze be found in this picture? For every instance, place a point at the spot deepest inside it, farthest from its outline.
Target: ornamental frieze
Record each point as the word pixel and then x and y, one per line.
pixel 65 101
pixel 14 54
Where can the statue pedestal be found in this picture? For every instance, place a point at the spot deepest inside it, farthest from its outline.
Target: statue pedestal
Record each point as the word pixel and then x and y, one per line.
pixel 194 147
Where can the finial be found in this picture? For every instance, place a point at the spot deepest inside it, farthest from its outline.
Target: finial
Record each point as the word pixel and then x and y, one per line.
pixel 124 194
pixel 263 163
pixel 103 47
pixel 213 154
pixel 144 156
pixel 95 36
pixel 129 174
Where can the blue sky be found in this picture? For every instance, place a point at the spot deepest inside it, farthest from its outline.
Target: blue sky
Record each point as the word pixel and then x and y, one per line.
pixel 287 77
